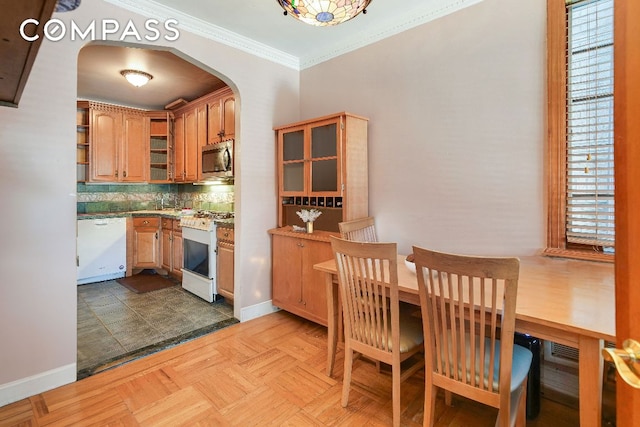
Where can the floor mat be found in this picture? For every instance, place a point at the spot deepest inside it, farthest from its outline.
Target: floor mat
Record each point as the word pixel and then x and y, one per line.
pixel 145 281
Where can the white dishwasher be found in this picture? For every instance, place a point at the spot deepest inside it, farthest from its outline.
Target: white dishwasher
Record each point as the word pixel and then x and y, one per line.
pixel 101 249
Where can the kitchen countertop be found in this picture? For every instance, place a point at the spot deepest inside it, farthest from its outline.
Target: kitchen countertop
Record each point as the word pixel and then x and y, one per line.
pixel 165 213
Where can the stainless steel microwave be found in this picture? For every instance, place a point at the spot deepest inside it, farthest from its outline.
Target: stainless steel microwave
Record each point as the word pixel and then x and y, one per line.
pixel 217 160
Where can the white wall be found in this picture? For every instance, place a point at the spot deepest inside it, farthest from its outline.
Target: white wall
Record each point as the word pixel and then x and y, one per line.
pixel 37 189
pixel 456 131
pixel 456 160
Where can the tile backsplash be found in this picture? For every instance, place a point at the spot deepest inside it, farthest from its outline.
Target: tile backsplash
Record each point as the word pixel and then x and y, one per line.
pixel 94 198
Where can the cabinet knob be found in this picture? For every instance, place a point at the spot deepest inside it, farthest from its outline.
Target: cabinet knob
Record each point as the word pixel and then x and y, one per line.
pixel 145 222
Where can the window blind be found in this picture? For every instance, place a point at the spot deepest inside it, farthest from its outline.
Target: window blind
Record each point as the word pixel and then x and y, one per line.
pixel 590 179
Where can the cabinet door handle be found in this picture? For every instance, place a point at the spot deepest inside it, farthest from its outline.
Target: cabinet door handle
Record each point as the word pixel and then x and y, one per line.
pixel 156 235
pixel 124 174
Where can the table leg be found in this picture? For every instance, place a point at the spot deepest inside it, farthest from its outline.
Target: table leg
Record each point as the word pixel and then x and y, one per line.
pixel 590 381
pixel 332 322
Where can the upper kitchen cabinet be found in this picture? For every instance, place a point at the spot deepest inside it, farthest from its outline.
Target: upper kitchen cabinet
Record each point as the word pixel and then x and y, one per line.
pixel 160 147
pixel 322 164
pixel 82 141
pixel 222 116
pixel 186 144
pixel 119 144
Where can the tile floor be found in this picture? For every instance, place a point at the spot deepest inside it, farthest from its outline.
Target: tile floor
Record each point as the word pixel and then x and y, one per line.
pixel 116 324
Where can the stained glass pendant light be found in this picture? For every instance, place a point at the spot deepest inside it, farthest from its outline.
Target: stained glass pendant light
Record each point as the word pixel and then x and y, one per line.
pixel 323 12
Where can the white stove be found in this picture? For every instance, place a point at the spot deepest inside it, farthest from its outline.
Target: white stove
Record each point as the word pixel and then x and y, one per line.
pixel 199 253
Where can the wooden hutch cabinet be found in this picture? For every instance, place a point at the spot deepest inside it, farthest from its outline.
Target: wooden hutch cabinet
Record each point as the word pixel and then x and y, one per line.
pixel 322 164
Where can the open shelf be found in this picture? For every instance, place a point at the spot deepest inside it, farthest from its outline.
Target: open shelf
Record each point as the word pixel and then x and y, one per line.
pixel 159 148
pixel 82 141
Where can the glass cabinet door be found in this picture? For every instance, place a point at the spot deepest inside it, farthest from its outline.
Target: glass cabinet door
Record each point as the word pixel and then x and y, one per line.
pixel 324 158
pixel 309 159
pixel 293 161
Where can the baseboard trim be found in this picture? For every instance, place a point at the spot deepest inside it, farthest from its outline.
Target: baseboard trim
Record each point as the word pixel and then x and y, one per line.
pixel 257 310
pixel 45 381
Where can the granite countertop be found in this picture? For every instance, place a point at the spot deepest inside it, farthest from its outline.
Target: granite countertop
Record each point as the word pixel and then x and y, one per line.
pixel 166 213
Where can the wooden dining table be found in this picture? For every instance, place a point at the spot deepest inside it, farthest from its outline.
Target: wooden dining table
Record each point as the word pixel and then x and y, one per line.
pixel 565 301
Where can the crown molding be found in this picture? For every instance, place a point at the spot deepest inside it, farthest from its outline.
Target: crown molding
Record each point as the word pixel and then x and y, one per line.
pixel 403 23
pixel 151 9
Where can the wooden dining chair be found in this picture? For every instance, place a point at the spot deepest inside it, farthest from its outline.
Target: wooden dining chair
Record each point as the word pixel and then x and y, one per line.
pixel 359 230
pixel 467 303
pixel 373 323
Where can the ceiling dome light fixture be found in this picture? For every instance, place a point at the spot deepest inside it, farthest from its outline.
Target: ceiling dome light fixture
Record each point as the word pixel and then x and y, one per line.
pixel 323 13
pixel 136 78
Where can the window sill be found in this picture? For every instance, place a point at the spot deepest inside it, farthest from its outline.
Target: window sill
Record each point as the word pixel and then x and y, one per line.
pixel 577 254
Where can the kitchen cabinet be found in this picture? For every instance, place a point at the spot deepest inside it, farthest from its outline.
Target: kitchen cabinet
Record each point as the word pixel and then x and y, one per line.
pixel 146 242
pixel 119 144
pixel 186 145
pixel 160 147
pixel 178 148
pixel 225 263
pixel 171 247
pixel 82 141
pixel 222 116
pixel 297 287
pixel 322 164
pixel 178 260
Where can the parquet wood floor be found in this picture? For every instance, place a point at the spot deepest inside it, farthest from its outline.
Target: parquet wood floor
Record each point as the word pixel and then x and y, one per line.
pixel 268 371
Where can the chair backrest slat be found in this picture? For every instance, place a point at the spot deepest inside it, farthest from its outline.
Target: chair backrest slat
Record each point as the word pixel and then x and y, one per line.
pixel 359 230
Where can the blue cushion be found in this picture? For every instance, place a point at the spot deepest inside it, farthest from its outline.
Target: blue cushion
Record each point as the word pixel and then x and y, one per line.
pixel 520 365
